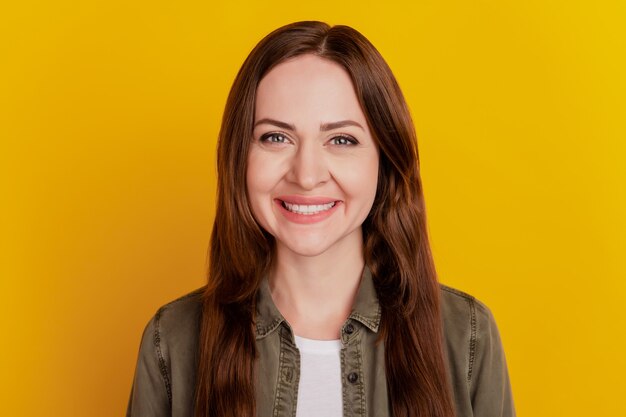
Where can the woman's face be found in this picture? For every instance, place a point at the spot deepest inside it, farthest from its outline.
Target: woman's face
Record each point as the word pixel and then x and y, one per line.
pixel 313 164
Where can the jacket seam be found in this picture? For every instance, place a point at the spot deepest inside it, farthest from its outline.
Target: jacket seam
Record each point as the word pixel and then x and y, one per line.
pixel 471 301
pixel 196 292
pixel 262 331
pixel 372 324
pixel 296 382
pixel 281 361
pixel 361 381
pixel 472 344
pixel 344 388
pixel 456 292
pixel 162 365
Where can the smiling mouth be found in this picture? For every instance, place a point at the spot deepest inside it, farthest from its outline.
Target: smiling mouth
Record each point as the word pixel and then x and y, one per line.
pixel 308 209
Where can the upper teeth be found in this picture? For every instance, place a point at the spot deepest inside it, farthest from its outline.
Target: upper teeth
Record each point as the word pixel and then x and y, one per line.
pixel 304 209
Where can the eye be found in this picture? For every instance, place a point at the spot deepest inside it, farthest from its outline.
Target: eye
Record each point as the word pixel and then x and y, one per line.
pixel 344 140
pixel 270 138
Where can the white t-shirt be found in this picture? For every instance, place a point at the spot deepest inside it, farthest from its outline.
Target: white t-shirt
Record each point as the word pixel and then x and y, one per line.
pixel 319 390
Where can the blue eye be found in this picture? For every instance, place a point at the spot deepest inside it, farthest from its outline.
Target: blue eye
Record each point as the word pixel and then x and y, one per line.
pixel 274 138
pixel 343 140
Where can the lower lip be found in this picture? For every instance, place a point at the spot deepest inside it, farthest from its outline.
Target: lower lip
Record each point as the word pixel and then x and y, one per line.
pixel 306 218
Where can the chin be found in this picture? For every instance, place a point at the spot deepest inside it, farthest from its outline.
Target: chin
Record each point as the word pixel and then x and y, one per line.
pixel 310 253
pixel 304 249
pixel 307 251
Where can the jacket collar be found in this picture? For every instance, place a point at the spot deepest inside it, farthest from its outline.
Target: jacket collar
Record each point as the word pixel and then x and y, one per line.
pixel 366 308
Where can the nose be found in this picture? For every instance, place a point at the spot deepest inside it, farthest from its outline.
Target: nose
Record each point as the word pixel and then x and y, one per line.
pixel 309 167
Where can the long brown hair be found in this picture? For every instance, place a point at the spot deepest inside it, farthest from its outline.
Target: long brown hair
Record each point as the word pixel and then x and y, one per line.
pixel 396 244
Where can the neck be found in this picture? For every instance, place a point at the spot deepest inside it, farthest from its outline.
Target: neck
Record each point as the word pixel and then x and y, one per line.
pixel 315 294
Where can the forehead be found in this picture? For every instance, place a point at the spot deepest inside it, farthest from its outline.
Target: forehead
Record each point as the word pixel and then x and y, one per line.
pixel 310 89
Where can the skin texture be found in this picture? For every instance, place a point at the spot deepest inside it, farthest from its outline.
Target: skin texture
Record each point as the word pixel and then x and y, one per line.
pixel 318 263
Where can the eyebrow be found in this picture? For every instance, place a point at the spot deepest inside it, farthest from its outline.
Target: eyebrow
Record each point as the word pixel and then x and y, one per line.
pixel 323 127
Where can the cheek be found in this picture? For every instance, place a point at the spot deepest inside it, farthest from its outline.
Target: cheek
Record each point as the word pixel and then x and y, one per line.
pixel 254 184
pixel 261 178
pixel 369 183
pixel 360 180
pixel 265 169
pixel 256 192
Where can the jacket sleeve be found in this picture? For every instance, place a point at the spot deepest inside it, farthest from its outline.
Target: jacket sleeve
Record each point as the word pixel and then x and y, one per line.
pixel 149 393
pixel 490 387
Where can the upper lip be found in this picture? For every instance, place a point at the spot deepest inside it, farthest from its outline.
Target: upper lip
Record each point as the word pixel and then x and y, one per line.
pixel 306 200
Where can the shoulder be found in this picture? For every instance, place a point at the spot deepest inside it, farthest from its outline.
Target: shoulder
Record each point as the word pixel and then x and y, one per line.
pixel 465 318
pixel 180 318
pixel 460 309
pixel 173 329
pixel 476 359
pixel 176 327
pixel 470 331
pixel 167 353
pixel 181 310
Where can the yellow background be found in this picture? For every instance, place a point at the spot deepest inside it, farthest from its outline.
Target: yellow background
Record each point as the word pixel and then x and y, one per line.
pixel 109 112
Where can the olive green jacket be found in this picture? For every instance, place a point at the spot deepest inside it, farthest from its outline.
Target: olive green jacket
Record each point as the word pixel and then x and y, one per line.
pixel 164 379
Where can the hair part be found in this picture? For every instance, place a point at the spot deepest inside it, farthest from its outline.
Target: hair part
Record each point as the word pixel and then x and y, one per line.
pixel 396 246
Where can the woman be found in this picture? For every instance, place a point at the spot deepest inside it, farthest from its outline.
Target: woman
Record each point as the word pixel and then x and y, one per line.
pixel 322 297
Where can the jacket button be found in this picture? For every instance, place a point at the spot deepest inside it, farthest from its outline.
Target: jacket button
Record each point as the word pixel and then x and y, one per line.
pixel 349 328
pixel 353 377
